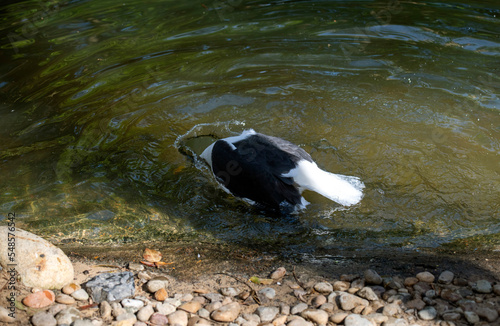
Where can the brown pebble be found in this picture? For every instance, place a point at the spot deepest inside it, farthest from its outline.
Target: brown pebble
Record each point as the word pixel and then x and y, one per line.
pixel 192 306
pixel 39 299
pixel 70 288
pixel 65 299
pixel 410 281
pixel 161 294
pixel 278 274
pixel 201 291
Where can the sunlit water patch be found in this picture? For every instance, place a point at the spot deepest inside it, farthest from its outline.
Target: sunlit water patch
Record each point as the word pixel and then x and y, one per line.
pixel 105 107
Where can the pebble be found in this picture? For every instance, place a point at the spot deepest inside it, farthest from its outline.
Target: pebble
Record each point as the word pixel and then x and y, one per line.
pixel 145 313
pixel 299 322
pixel 132 304
pixel 83 322
pixel 368 294
pixel 323 287
pixel 350 301
pixel 487 313
pixel 80 295
pixel 267 314
pixel 213 297
pixel 43 319
pixel 318 301
pixel 70 288
pixel 68 315
pixel 278 273
pixel 338 317
pixel 227 313
pixel 105 310
pixel 356 320
pixel 161 294
pixel 410 281
pixel 156 284
pixel 127 316
pixel 229 292
pixel 317 316
pixel 372 277
pixel 446 277
pixel 269 293
pixel 482 286
pixel 471 317
pixel 158 319
pixel 135 267
pixel 428 313
pixel 165 308
pixel 391 309
pixel 178 318
pixel 340 286
pixel 4 316
pixel 65 299
pixel 39 299
pixel 204 313
pixel 418 304
pixel 298 308
pixel 111 286
pixel 450 295
pixel 192 306
pixel 425 277
pixel 496 289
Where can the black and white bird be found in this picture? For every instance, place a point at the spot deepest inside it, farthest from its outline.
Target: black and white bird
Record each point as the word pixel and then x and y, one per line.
pixel 272 173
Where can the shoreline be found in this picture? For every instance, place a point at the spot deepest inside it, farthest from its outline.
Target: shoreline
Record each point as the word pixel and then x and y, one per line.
pixel 217 266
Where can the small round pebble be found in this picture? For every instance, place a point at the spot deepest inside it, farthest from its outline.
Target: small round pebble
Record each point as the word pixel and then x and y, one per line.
pixel 165 308
pixel 372 277
pixel 43 319
pixel 80 294
pixel 178 318
pixel 132 304
pixel 300 322
pixel 156 284
pixel 65 299
pixel 428 313
pixel 39 299
pixel 446 277
pixel 356 320
pixel 145 313
pixel 269 293
pixel 161 294
pixel 278 273
pixel 317 316
pixel 483 286
pixel 425 277
pixel 323 287
pixel 158 319
pixel 298 308
pixel 267 314
pixel 70 288
pixel 229 292
pixel 227 313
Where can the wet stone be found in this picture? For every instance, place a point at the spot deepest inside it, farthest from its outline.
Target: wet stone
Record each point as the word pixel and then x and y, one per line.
pixel 446 277
pixel 428 313
pixel 372 277
pixel 482 286
pixel 425 277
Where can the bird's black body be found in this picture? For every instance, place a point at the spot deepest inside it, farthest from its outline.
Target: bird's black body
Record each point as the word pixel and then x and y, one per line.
pixel 254 170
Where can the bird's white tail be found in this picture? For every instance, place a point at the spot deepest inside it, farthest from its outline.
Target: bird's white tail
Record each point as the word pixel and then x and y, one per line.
pixel 344 190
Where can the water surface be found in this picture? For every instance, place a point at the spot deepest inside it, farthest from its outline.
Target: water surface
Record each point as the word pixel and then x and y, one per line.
pixel 100 101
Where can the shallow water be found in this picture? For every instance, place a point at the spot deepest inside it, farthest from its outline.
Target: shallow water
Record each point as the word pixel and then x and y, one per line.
pixel 101 101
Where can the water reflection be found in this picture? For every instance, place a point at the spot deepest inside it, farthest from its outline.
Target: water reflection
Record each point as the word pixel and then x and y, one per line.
pixel 97 95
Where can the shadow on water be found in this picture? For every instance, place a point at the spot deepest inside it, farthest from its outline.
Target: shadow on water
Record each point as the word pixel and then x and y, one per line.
pixel 96 97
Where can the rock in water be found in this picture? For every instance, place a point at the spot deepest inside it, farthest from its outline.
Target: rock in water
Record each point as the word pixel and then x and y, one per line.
pixel 111 286
pixel 39 263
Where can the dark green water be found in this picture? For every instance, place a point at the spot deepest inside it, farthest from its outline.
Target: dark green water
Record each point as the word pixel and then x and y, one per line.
pixel 99 99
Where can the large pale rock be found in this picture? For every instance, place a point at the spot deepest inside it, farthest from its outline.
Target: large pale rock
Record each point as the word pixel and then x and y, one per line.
pixel 39 263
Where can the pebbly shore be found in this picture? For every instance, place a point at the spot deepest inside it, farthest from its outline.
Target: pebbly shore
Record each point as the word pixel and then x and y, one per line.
pixel 139 295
